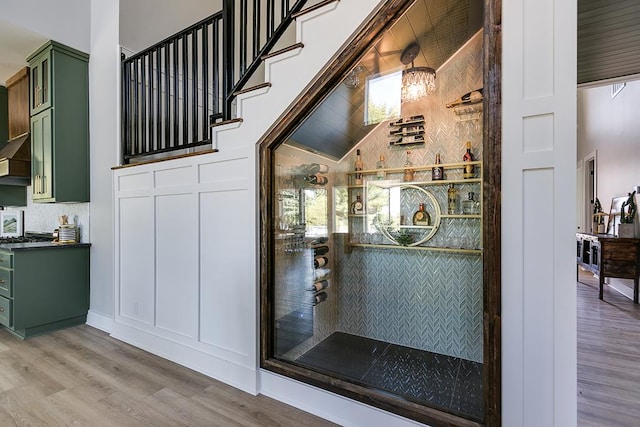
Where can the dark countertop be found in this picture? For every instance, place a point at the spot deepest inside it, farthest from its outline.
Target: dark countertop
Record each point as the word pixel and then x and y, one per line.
pixel 40 245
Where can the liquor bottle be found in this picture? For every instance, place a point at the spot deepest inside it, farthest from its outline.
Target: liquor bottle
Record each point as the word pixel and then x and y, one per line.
pixel 408 171
pixel 357 207
pixel 316 179
pixel 468 157
pixel 358 166
pixel 319 285
pixel 321 274
pixel 315 168
pixel 319 240
pixel 319 297
pixel 470 206
pixel 320 250
pixel 437 173
pixel 452 200
pixel 380 166
pixel 320 261
pixel 468 98
pixel 421 216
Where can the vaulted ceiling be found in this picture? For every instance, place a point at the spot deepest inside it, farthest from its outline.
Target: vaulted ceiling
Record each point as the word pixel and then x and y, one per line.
pixel 440 27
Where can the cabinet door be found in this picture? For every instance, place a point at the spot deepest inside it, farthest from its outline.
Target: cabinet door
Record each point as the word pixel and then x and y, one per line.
pixel 40 84
pixel 41 160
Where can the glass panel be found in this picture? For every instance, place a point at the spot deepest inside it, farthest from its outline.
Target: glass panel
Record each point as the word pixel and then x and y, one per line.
pixel 45 81
pixel 34 87
pixel 377 274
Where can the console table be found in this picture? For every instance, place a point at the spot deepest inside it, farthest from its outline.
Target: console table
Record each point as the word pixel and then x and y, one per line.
pixel 610 256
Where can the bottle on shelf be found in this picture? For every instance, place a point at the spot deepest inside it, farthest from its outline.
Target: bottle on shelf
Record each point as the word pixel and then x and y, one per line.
pixel 421 216
pixel 408 171
pixel 319 240
pixel 319 298
pixel 315 168
pixel 380 166
pixel 316 179
pixel 358 166
pixel 320 261
pixel 468 157
pixel 319 285
pixel 357 207
pixel 452 199
pixel 320 250
pixel 437 172
pixel 470 206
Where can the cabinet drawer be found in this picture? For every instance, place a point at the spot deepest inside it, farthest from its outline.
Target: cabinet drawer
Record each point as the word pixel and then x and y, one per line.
pixel 6 282
pixel 6 259
pixel 619 251
pixel 5 312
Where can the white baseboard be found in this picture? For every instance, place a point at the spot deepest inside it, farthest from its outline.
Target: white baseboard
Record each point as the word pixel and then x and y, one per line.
pixel 100 321
pixel 235 375
pixel 335 408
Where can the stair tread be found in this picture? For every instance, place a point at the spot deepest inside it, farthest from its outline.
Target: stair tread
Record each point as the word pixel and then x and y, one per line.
pixel 251 88
pixel 226 122
pixel 281 51
pixel 312 8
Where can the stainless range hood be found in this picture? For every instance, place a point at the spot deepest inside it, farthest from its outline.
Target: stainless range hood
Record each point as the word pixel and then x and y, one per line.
pixel 15 161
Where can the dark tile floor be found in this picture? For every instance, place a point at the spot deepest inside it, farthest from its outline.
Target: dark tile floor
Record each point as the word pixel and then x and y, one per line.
pixel 445 382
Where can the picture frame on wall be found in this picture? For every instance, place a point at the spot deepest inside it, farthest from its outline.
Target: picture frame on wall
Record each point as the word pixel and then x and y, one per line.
pixel 11 223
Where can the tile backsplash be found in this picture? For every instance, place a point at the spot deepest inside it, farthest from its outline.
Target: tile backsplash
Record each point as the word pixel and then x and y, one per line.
pixel 43 217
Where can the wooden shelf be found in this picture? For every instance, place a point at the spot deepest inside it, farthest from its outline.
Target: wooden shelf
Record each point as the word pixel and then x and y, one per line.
pixel 422 248
pixel 421 168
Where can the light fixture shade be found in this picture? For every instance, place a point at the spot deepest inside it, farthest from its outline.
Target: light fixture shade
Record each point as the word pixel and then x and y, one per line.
pixel 417 82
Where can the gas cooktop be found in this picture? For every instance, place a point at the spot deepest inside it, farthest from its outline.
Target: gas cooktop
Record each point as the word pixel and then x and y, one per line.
pixel 28 237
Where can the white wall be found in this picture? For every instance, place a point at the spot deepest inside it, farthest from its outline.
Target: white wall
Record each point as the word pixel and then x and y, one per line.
pixel 104 129
pixel 145 22
pixel 65 21
pixel 611 127
pixel 538 213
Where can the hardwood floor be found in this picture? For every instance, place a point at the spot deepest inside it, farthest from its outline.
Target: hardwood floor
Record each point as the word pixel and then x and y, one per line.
pixel 608 357
pixel 80 376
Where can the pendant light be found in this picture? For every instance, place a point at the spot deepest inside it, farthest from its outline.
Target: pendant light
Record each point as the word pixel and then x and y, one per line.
pixel 417 82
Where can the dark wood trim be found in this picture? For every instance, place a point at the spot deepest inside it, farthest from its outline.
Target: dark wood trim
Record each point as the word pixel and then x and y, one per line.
pixel 251 89
pixel 387 14
pixel 283 50
pixel 492 193
pixel 313 7
pixel 226 122
pixel 164 159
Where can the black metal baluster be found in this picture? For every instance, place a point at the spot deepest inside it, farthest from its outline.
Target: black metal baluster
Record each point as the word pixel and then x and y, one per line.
pixel 194 86
pixel 217 48
pixel 185 90
pixel 158 75
pixel 143 104
pixel 125 118
pixel 151 113
pixel 243 34
pixel 205 82
pixel 256 28
pixel 227 55
pixel 176 91
pixel 167 96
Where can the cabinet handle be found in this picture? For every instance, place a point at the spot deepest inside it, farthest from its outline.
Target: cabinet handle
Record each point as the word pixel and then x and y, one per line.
pixel 42 185
pixel 1 309
pixel 3 281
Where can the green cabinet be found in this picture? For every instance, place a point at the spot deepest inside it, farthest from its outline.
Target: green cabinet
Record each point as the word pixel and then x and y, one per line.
pixel 59 101
pixel 40 82
pixel 52 296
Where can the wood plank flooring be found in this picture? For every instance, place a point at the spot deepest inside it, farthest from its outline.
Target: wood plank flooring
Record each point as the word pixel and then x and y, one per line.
pixel 608 357
pixel 80 376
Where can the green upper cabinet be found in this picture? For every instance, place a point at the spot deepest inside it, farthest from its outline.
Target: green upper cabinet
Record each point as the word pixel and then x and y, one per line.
pixel 59 98
pixel 40 82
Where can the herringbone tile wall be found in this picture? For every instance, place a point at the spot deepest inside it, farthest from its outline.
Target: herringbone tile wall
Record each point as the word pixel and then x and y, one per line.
pixel 421 299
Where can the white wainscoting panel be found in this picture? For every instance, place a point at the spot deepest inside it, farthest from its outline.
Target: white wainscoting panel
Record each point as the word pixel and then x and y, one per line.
pixel 136 259
pixel 226 299
pixel 538 213
pixel 177 264
pixel 186 261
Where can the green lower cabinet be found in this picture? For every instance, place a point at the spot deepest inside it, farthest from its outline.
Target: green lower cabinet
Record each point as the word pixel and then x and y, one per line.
pixel 48 289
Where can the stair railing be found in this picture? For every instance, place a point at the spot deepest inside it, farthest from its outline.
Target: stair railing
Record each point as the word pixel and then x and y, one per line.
pixel 173 91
